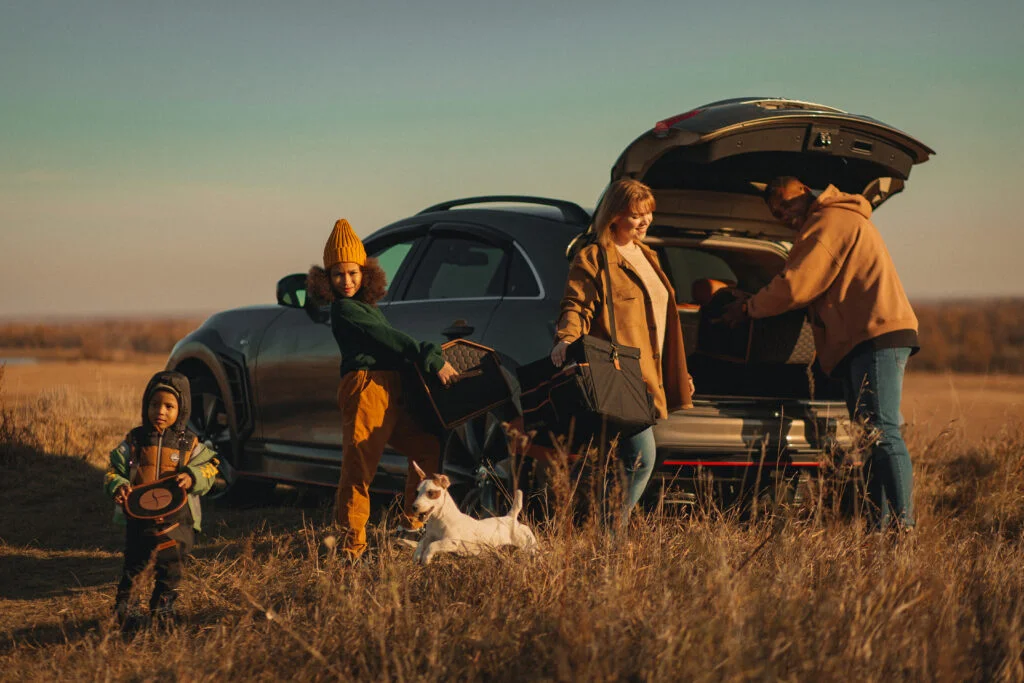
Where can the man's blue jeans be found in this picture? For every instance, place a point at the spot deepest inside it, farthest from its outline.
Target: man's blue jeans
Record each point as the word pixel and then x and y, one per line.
pixel 873 386
pixel 637 454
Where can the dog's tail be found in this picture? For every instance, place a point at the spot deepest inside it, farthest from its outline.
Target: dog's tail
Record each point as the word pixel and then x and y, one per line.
pixel 517 504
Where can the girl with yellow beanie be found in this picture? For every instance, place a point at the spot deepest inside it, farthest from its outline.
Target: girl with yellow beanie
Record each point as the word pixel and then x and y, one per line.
pixel 373 356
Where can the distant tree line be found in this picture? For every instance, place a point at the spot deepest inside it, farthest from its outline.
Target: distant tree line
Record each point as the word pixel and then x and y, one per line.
pixel 971 336
pixel 107 339
pixel 961 336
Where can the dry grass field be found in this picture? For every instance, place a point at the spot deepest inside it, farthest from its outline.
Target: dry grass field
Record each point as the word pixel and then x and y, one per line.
pixel 680 597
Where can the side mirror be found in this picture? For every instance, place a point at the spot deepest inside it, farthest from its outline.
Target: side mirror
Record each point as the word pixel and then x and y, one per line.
pixel 291 290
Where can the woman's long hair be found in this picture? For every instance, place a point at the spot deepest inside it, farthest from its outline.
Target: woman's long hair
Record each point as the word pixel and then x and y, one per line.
pixel 623 196
pixel 319 291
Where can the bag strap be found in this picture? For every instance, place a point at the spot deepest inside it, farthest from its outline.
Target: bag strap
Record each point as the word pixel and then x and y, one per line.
pixel 608 299
pixel 609 302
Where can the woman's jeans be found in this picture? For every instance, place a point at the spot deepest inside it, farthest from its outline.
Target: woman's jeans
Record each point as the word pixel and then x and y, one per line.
pixel 637 454
pixel 873 386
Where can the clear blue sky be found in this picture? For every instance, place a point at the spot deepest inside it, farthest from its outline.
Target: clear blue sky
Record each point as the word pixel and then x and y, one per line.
pixel 173 157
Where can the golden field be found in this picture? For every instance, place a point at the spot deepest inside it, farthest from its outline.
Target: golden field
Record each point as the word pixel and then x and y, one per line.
pixel 680 597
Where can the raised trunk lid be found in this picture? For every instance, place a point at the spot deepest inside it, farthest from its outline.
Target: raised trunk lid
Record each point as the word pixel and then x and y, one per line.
pixel 713 162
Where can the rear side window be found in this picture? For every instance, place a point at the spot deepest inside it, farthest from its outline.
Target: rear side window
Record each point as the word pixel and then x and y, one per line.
pixel 458 268
pixel 521 280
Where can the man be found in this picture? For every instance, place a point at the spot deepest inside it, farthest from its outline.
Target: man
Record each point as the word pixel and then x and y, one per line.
pixel 864 327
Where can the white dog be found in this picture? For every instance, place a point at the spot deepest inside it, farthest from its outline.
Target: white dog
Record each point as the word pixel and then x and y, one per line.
pixel 449 530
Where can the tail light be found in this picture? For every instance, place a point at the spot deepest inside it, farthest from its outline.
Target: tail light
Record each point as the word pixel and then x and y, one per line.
pixel 661 128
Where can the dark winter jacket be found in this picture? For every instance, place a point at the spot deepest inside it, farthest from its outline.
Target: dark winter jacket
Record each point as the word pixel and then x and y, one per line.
pixel 148 454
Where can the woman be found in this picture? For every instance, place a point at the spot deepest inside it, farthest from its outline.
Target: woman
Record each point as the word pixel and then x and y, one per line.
pixel 645 315
pixel 373 355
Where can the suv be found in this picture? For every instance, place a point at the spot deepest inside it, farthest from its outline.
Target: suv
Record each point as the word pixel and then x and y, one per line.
pixel 492 269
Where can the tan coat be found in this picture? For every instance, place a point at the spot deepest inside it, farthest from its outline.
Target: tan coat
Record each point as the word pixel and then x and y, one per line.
pixel 840 268
pixel 665 374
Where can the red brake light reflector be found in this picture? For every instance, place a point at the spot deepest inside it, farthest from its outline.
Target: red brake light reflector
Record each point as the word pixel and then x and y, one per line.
pixel 664 125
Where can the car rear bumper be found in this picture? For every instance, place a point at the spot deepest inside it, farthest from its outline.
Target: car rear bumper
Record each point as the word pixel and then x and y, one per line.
pixel 733 433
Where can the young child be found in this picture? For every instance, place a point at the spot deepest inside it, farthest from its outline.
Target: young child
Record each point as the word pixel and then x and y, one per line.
pixel 374 356
pixel 160 447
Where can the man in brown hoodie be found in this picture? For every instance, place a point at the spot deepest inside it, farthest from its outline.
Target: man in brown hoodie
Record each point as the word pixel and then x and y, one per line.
pixel 864 327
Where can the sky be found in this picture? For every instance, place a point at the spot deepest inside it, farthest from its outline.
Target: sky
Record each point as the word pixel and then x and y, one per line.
pixel 181 157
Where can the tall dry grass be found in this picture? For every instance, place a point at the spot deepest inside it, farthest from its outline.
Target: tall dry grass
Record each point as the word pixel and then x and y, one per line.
pixel 678 597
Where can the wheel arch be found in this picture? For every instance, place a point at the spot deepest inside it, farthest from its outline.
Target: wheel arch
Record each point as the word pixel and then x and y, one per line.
pixel 227 369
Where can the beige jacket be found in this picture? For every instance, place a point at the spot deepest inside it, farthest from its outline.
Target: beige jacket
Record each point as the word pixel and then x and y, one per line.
pixel 840 268
pixel 665 374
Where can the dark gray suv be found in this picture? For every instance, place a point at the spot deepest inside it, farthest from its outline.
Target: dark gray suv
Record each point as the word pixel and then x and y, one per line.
pixel 492 269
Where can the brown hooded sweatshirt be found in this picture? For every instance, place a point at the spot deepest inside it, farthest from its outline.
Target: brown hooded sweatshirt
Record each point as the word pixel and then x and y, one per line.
pixel 840 268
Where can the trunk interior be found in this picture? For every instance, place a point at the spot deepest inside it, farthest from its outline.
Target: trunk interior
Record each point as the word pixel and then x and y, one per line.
pixel 696 266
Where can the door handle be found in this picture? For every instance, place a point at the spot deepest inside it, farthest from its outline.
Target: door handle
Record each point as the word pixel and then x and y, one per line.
pixel 457 330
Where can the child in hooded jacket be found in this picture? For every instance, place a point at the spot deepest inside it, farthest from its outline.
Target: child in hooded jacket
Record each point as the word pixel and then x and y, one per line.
pixel 373 357
pixel 160 447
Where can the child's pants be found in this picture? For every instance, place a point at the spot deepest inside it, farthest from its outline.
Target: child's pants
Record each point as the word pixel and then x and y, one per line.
pixel 170 543
pixel 373 416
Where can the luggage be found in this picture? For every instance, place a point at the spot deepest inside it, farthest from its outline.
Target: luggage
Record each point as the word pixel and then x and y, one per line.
pixel 785 339
pixel 480 386
pixel 600 385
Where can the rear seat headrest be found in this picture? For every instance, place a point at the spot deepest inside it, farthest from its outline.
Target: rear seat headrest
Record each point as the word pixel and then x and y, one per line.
pixel 703 289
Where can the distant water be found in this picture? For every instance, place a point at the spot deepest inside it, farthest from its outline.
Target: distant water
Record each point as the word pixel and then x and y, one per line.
pixel 19 360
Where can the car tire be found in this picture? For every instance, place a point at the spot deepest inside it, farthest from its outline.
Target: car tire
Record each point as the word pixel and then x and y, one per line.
pixel 475 457
pixel 209 421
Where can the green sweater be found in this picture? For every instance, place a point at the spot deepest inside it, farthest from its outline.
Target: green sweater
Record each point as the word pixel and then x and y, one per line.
pixel 369 342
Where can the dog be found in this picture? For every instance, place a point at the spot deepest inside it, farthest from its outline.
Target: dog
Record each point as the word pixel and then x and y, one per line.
pixel 448 529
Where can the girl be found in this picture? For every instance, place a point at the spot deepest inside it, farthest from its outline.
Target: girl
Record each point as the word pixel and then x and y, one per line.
pixel 645 315
pixel 373 355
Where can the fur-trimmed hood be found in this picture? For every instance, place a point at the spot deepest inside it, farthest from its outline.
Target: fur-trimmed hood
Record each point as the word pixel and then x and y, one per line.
pixel 320 293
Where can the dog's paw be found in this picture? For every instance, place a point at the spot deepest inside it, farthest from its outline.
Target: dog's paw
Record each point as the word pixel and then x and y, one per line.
pixel 407 542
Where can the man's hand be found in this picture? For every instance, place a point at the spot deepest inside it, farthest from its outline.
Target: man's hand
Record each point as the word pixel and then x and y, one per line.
pixel 693 387
pixel 736 312
pixel 558 353
pixel 121 494
pixel 447 373
pixel 184 481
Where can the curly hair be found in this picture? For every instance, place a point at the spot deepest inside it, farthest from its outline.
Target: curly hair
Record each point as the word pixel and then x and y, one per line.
pixel 319 291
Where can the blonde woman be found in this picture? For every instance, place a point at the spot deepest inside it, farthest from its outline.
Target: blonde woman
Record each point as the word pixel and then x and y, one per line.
pixel 645 315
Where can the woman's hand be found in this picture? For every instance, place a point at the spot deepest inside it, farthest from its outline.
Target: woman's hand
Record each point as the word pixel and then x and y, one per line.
pixel 447 373
pixel 558 353
pixel 693 388
pixel 184 481
pixel 121 495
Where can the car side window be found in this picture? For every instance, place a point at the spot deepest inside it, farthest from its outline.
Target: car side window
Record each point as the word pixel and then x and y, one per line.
pixel 521 280
pixel 391 258
pixel 458 268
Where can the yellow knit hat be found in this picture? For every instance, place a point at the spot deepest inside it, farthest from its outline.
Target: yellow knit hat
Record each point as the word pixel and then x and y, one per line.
pixel 343 246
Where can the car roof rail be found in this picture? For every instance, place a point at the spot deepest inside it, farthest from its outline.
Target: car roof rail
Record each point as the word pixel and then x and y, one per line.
pixel 571 212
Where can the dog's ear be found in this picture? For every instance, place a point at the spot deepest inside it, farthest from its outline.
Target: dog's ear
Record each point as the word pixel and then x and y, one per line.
pixel 419 470
pixel 442 480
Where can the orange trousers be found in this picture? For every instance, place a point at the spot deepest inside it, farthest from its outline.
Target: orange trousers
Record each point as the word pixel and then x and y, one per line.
pixel 373 416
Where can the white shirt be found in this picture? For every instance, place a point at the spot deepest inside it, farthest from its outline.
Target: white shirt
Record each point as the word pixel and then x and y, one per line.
pixel 654 286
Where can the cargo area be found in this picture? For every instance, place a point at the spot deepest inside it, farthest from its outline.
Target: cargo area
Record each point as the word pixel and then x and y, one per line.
pixel 779 362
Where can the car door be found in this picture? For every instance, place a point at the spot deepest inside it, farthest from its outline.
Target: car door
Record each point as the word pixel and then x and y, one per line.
pixel 454 286
pixel 297 367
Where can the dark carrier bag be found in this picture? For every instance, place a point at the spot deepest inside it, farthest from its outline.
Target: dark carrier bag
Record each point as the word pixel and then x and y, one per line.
pixel 785 339
pixel 599 389
pixel 480 386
